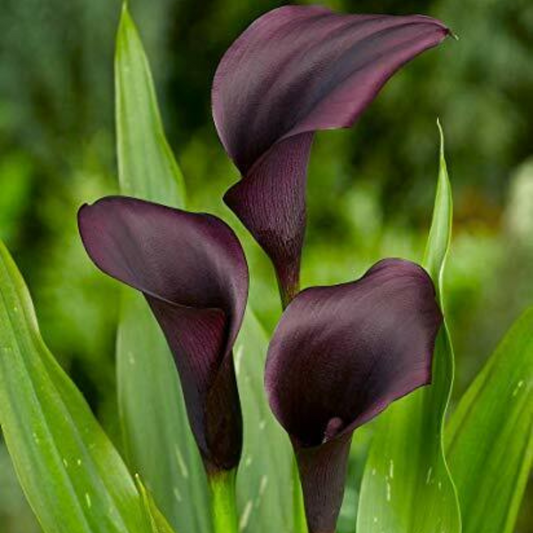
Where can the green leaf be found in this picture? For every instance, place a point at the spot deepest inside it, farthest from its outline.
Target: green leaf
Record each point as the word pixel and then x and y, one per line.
pixel 146 164
pixel 407 487
pixel 440 232
pixel 157 522
pixel 490 436
pixel 72 476
pixel 264 487
pixel 158 441
pixel 157 436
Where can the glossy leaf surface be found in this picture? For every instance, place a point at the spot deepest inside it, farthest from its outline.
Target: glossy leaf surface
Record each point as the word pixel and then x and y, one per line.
pixel 146 163
pixel 71 474
pixel 406 485
pixel 490 435
pixel 264 488
pixel 156 430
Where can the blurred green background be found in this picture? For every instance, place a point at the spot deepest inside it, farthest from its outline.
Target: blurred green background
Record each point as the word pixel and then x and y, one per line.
pixel 370 190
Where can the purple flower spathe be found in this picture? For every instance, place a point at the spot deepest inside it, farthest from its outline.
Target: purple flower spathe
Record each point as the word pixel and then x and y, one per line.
pixel 192 270
pixel 296 70
pixel 339 356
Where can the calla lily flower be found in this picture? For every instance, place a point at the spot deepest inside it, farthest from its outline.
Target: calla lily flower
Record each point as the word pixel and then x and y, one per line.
pixel 339 356
pixel 193 273
pixel 296 70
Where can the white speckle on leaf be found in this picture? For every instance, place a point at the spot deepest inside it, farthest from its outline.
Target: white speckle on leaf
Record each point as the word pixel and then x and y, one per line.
pixel 88 500
pixel 519 385
pixel 245 517
pixel 428 477
pixel 375 519
pixel 262 425
pixel 181 463
pixel 263 485
pixel 65 462
pixel 177 494
pixel 391 469
pixel 248 461
pixel 389 492
pixel 78 462
pixel 373 471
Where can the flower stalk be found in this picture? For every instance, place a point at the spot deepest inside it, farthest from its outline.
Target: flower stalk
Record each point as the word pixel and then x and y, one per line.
pixel 223 502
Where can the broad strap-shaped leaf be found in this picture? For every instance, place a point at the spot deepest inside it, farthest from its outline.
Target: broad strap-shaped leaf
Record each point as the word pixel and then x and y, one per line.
pixel 264 488
pixel 490 435
pixel 147 166
pixel 406 485
pixel 154 417
pixel 157 436
pixel 72 476
pixel 296 70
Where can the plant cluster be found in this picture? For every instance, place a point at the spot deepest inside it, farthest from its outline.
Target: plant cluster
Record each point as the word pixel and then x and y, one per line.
pixel 339 356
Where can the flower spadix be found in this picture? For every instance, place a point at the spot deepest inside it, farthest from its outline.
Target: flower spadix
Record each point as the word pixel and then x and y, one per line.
pixel 193 273
pixel 296 70
pixel 339 356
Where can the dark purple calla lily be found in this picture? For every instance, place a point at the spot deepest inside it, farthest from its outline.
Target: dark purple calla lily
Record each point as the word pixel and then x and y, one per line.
pixel 296 70
pixel 193 273
pixel 339 356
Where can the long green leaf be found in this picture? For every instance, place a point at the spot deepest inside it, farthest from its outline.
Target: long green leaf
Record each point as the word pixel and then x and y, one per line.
pixel 147 167
pixel 406 486
pixel 264 479
pixel 158 440
pixel 73 478
pixel 490 436
pixel 158 523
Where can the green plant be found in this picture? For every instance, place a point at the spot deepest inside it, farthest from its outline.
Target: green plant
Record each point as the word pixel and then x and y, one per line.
pixel 77 482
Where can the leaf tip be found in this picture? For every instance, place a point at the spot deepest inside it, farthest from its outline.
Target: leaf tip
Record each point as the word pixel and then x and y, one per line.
pixel 125 7
pixel 441 136
pixel 441 132
pixel 125 23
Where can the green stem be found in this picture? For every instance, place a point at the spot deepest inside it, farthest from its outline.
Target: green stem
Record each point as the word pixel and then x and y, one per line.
pixel 300 521
pixel 223 502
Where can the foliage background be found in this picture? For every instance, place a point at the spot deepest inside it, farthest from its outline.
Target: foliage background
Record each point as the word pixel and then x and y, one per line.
pixel 370 189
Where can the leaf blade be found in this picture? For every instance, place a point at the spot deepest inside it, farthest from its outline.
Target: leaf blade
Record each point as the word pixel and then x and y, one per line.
pixel 490 435
pixel 440 232
pixel 264 487
pixel 152 410
pixel 406 485
pixel 147 167
pixel 158 523
pixel 72 476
